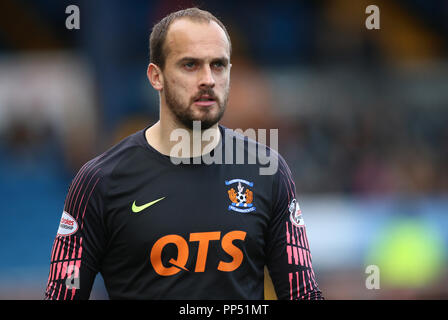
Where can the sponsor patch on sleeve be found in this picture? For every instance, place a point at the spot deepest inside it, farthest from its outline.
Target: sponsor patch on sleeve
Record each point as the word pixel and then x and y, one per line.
pixel 295 214
pixel 68 225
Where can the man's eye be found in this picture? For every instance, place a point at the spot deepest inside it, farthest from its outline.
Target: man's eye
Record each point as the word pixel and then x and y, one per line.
pixel 218 65
pixel 189 65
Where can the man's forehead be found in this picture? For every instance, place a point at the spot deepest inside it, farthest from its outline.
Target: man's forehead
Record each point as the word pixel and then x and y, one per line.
pixel 185 35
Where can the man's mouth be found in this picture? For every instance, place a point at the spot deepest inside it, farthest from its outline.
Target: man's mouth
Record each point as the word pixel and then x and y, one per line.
pixel 205 101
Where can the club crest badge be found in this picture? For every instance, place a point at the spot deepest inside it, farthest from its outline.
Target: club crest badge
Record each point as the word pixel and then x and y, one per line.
pixel 240 195
pixel 295 214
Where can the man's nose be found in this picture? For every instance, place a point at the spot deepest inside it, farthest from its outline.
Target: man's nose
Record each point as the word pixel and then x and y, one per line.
pixel 206 78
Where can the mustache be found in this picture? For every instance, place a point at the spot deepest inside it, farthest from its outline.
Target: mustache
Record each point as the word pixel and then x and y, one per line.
pixel 210 92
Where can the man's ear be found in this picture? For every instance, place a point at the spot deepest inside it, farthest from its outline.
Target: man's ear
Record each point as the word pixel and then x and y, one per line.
pixel 155 76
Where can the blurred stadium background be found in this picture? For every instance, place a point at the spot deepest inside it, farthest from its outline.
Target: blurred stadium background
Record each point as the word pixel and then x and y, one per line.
pixel 362 117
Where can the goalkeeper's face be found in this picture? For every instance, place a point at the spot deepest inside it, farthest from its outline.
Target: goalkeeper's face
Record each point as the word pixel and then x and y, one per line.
pixel 196 76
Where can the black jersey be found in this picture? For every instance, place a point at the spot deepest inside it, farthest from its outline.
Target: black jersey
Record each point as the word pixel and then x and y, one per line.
pixel 159 230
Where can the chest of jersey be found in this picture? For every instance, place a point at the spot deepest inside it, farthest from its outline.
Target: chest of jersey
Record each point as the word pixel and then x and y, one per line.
pixel 192 219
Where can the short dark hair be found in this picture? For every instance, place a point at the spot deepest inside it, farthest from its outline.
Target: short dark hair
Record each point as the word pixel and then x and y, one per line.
pixel 157 54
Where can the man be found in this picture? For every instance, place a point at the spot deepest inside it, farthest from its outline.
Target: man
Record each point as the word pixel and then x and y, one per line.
pixel 159 226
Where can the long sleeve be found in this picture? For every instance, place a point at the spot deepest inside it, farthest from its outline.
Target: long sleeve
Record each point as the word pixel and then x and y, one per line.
pixel 287 250
pixel 80 240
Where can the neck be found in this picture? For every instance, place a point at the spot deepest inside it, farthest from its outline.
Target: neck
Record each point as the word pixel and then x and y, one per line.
pixel 189 141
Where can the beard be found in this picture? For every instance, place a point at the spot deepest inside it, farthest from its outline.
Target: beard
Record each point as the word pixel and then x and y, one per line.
pixel 185 114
